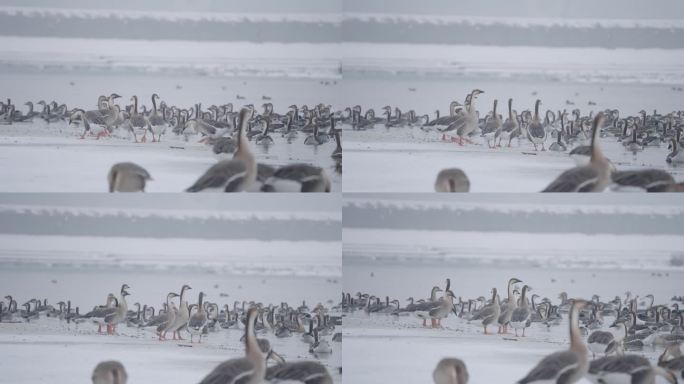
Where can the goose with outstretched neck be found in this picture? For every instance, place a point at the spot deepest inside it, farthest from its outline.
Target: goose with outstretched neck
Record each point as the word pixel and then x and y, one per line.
pixel 593 177
pixel 235 175
pixel 250 369
pixel 568 366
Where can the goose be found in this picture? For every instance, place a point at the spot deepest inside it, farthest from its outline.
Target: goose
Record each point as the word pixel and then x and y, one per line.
pixel 319 346
pixel 558 145
pixel 626 369
pixel 648 180
pixel 509 307
pixel 602 342
pixel 98 314
pixel 297 178
pixel 315 138
pixel 593 177
pixel 490 312
pixel 166 320
pixel 137 122
pixel 182 315
pixel 454 108
pixel 452 180
pixel 264 138
pixel 535 130
pixel 109 372
pixel 234 175
pixel 337 153
pixel 446 306
pixel 119 315
pixel 155 121
pixel 492 127
pixel 127 177
pixel 510 128
pixel 469 124
pixel 450 370
pixel 81 114
pixel 565 367
pixel 520 317
pixel 676 156
pixel 307 372
pixel 672 360
pixel 250 369
pixel 198 320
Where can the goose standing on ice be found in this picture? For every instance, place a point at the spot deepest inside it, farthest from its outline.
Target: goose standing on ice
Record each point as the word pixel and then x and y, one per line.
pixel 564 367
pixel 250 369
pixel 182 315
pixel 119 314
pixel 490 312
pixel 155 121
pixel 676 155
pixel 510 128
pixel 137 122
pixel 520 317
pixel 450 371
pixel 492 128
pixel 593 177
pixel 127 177
pixel 198 320
pixel 234 175
pixel 109 372
pixel 452 180
pixel 535 130
pixel 509 307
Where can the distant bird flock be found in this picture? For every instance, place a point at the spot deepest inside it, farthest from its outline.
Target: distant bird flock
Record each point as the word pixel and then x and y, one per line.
pixel 603 335
pixel 312 328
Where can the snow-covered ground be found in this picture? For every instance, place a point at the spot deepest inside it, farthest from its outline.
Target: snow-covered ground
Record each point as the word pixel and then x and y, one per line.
pixel 66 262
pixel 402 263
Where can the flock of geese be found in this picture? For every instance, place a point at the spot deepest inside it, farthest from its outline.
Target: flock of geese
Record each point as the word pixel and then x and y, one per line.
pixel 228 133
pixel 314 327
pixel 563 131
pixel 603 334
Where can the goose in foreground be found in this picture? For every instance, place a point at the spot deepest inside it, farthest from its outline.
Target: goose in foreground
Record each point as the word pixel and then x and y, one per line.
pixel 593 177
pixel 250 369
pixel 109 372
pixel 602 342
pixel 648 180
pixel 564 367
pixel 127 177
pixel 234 175
pixel 307 372
pixel 452 180
pixel 297 178
pixel 631 369
pixel 450 370
pixel 673 360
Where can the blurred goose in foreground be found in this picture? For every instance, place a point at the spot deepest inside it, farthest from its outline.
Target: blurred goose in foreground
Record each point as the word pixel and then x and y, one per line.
pixel 110 372
pixel 127 177
pixel 450 371
pixel 631 369
pixel 308 372
pixel 235 175
pixel 297 178
pixel 564 367
pixel 593 177
pixel 250 369
pixel 452 180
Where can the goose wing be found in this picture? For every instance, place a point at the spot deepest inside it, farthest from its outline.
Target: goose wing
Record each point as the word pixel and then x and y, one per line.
pixel 304 371
pixel 233 371
pixel 219 175
pixel 552 367
pixel 578 179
